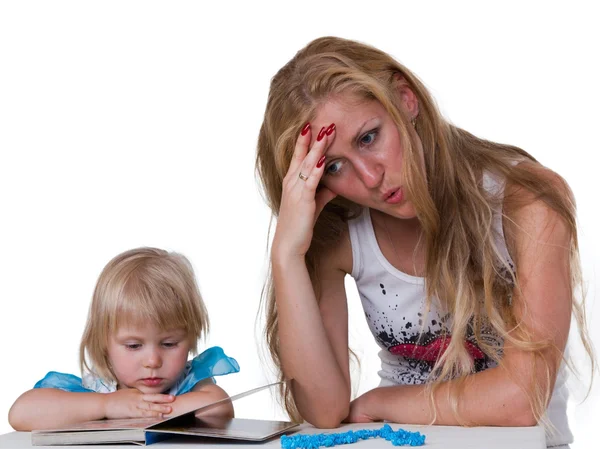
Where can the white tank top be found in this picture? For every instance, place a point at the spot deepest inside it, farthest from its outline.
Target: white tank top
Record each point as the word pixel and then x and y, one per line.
pixel 394 307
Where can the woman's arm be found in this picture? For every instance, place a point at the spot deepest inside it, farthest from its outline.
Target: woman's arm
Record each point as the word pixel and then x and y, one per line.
pixel 313 335
pixel 499 396
pixel 50 408
pixel 313 338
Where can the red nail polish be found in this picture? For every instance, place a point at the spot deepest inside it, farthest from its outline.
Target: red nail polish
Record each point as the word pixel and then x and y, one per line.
pixel 330 129
pixel 305 129
pixel 321 134
pixel 321 162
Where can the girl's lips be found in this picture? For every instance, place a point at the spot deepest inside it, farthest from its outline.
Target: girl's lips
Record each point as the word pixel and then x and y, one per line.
pixel 395 197
pixel 151 381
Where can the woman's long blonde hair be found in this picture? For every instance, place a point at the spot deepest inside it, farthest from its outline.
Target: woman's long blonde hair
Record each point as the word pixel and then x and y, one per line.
pixel 464 270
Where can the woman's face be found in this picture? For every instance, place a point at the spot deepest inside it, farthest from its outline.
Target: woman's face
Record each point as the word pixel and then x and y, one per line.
pixel 364 162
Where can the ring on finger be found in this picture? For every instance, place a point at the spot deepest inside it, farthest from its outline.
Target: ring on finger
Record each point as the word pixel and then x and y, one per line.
pixel 302 176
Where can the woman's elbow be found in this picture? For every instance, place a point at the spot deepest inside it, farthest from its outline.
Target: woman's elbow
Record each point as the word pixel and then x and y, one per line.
pixel 324 409
pixel 522 415
pixel 328 418
pixel 519 408
pixel 525 420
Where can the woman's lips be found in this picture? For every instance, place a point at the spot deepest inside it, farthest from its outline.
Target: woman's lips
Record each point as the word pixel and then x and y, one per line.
pixel 395 197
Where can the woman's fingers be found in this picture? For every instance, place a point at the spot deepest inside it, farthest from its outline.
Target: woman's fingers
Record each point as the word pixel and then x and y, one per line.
pixel 314 164
pixel 299 201
pixel 301 148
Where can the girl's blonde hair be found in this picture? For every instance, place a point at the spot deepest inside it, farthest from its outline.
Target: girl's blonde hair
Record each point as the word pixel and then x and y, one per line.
pixel 137 287
pixel 464 269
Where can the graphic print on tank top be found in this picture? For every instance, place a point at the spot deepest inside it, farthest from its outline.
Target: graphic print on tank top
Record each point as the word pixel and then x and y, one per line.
pixel 417 338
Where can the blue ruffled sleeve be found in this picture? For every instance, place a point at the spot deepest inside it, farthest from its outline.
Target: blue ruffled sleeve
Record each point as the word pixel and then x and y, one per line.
pixel 212 362
pixel 62 381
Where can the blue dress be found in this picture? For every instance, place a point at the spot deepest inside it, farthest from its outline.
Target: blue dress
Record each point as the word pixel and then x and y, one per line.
pixel 212 362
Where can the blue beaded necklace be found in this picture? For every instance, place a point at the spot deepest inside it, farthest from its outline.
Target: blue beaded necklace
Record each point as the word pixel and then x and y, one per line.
pixel 399 437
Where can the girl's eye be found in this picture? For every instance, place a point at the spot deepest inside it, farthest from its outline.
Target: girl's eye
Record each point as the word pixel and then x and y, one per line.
pixel 133 346
pixel 170 344
pixel 334 168
pixel 368 138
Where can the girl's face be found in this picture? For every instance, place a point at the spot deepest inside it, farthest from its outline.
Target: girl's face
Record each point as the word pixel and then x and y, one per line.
pixel 364 162
pixel 148 358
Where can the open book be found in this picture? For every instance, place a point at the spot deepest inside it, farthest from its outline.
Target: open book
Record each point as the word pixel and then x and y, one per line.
pixel 150 430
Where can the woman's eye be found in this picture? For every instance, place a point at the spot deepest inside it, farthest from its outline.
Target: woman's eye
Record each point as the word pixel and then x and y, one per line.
pixel 368 138
pixel 334 168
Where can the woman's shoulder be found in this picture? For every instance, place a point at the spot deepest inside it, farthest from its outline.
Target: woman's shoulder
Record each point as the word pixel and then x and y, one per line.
pixel 540 181
pixel 542 204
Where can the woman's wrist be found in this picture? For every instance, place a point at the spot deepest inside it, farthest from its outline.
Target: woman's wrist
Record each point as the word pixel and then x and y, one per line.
pixel 284 258
pixel 372 404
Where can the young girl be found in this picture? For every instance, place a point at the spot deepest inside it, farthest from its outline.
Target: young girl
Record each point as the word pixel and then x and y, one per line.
pixel 464 252
pixel 145 318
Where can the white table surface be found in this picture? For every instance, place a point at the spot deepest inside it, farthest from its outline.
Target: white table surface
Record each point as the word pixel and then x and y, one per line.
pixel 436 437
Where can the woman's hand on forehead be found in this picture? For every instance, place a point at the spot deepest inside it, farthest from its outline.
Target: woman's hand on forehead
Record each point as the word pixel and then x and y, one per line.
pixel 301 203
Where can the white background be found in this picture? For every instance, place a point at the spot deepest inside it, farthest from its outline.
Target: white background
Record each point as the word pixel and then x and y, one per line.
pixel 125 124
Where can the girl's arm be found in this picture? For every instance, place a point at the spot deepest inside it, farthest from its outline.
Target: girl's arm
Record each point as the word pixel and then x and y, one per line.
pixel 499 396
pixel 204 392
pixel 50 408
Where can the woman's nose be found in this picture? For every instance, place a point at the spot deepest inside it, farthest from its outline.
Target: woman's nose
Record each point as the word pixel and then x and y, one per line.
pixel 369 171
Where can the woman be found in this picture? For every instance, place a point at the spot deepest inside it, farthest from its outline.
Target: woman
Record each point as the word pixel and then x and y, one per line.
pixel 464 252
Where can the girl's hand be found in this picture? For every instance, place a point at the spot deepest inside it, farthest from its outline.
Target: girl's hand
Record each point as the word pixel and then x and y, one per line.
pixel 301 204
pixel 132 403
